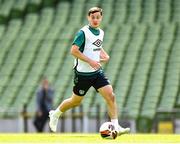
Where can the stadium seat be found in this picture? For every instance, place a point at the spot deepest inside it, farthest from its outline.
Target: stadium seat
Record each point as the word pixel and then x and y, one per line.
pixel 120 13
pixel 76 12
pixel 18 8
pixel 5 8
pixel 134 9
pixel 148 11
pixel 2 28
pixel 175 11
pixel 34 5
pixel 163 8
pixel 48 3
pixel 62 11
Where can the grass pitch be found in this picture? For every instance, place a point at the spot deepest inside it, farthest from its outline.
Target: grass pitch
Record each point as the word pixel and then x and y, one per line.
pixel 77 138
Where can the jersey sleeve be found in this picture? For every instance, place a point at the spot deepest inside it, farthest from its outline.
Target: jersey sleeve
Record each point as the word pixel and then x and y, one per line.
pixel 79 39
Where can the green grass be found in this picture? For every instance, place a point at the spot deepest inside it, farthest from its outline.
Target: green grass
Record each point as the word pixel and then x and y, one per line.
pixel 77 138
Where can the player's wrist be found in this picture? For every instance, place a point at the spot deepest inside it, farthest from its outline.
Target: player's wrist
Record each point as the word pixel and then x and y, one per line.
pixel 104 60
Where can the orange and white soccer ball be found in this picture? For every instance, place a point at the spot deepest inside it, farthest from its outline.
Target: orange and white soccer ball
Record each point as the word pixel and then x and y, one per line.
pixel 107 130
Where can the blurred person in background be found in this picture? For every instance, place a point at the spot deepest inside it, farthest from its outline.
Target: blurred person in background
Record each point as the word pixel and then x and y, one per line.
pixel 44 103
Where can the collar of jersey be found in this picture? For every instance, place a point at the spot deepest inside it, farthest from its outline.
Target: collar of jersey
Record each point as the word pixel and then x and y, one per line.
pixel 95 31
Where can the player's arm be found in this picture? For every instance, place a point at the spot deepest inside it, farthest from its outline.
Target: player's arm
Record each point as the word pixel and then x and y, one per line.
pixel 78 54
pixel 104 57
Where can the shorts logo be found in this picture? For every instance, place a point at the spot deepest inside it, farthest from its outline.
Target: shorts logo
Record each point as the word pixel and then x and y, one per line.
pixel 97 43
pixel 81 92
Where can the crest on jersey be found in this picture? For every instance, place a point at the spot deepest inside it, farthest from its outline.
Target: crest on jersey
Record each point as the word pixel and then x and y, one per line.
pixel 81 92
pixel 97 43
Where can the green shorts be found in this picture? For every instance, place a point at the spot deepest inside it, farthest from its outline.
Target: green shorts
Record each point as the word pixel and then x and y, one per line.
pixel 83 81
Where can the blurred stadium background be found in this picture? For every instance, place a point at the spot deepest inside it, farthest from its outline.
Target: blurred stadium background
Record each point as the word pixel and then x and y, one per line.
pixel 141 36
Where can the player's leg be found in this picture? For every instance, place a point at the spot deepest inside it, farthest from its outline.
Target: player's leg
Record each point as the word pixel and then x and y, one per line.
pixel 69 103
pixel 81 86
pixel 108 95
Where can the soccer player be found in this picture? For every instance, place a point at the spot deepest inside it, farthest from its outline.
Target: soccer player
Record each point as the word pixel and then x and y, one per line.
pixel 89 54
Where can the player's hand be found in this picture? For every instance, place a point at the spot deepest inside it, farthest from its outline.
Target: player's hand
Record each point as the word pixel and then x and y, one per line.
pixel 104 57
pixel 94 64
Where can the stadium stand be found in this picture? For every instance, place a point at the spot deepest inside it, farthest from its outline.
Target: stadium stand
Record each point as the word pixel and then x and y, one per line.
pixel 148 11
pixel 141 36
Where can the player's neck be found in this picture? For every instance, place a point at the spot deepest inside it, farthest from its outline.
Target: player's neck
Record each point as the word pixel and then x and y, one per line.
pixel 96 28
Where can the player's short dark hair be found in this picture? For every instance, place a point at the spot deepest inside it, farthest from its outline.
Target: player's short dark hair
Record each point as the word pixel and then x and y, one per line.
pixel 94 10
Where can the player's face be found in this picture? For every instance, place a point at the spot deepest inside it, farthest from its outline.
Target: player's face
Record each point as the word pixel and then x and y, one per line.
pixel 95 19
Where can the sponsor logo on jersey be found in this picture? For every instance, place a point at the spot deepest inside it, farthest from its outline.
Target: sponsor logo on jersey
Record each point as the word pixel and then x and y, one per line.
pixel 97 43
pixel 97 49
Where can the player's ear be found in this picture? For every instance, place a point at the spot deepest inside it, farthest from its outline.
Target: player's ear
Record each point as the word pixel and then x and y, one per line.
pixel 101 17
pixel 88 17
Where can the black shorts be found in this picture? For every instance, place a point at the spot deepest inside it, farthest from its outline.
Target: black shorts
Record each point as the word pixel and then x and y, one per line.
pixel 83 81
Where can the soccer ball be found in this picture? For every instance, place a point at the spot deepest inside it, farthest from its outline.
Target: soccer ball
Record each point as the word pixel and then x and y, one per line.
pixel 107 130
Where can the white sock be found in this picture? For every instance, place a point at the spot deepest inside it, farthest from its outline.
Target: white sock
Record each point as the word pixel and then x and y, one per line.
pixel 115 122
pixel 57 112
